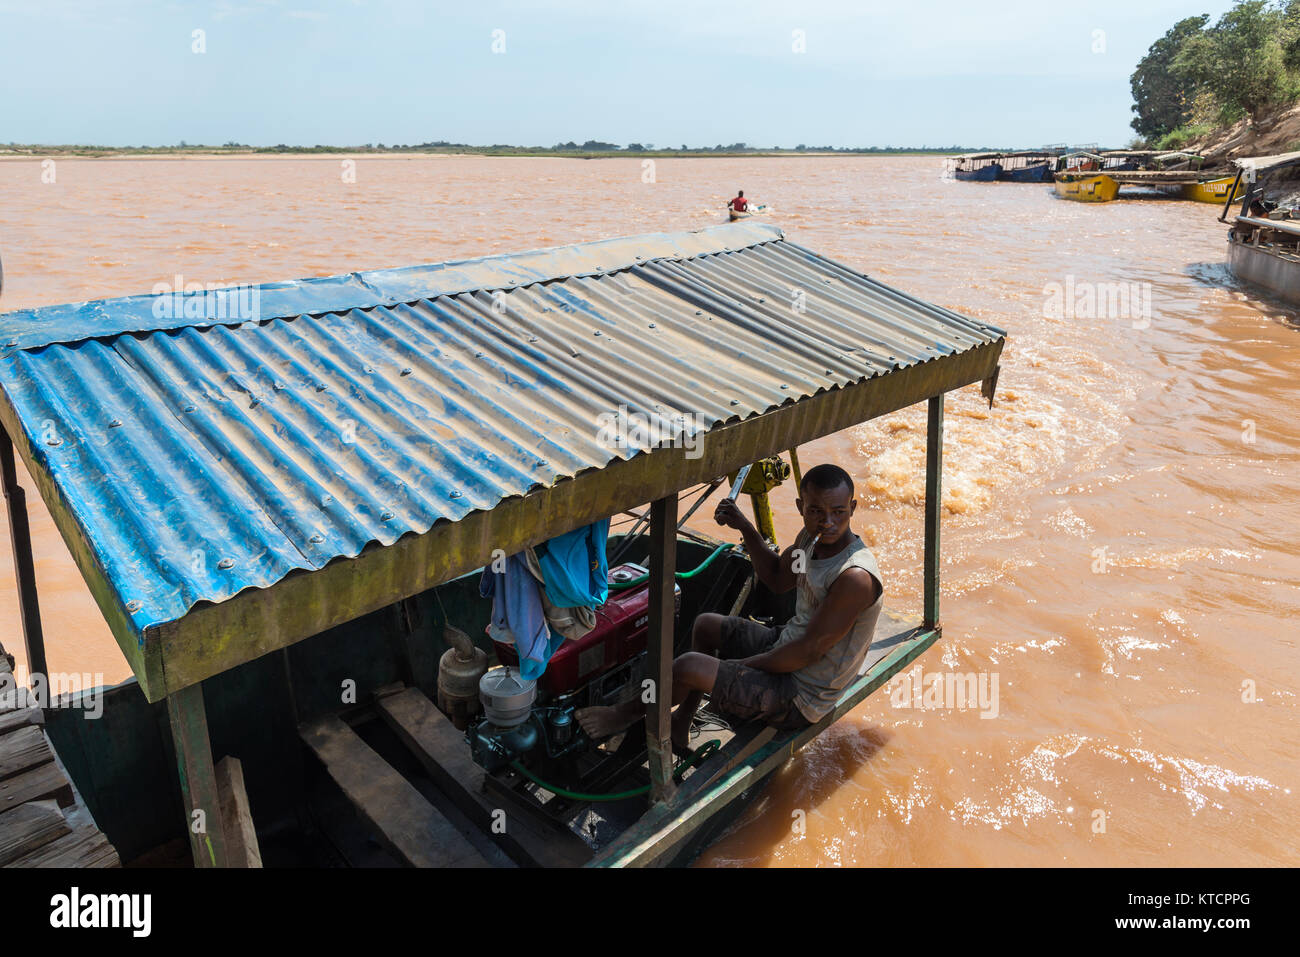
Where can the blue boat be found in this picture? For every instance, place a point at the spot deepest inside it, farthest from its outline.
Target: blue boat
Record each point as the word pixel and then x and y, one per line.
pixel 1037 173
pixel 985 174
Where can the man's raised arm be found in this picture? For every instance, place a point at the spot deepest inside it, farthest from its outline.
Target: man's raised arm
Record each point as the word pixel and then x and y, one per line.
pixel 773 570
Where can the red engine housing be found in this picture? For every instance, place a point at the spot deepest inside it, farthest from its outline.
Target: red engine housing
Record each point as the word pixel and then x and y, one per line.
pixel 622 626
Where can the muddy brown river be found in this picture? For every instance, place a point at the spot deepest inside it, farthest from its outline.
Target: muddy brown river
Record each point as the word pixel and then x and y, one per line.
pixel 1121 532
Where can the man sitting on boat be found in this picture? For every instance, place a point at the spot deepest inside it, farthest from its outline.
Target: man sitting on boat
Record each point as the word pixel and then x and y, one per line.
pixel 786 676
pixel 738 204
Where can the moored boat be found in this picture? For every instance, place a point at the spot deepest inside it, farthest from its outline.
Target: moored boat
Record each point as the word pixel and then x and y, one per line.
pixel 1034 173
pixel 1213 190
pixel 1020 166
pixel 984 173
pixel 1264 241
pixel 1086 187
pixel 1267 255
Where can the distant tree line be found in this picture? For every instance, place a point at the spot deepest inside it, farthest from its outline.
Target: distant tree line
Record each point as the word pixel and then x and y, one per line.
pixel 1199 76
pixel 588 148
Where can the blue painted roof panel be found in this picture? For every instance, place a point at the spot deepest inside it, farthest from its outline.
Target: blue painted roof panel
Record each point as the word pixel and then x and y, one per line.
pixel 202 457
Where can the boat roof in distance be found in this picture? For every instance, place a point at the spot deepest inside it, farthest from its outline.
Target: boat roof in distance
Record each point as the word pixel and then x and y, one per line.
pixel 236 472
pixel 1260 164
pixel 1045 154
pixel 1280 225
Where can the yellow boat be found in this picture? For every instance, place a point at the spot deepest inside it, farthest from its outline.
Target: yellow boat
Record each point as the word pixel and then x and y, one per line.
pixel 1213 190
pixel 1086 187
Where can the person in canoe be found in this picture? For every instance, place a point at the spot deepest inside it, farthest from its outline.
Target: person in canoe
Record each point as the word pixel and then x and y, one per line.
pixel 787 676
pixel 738 204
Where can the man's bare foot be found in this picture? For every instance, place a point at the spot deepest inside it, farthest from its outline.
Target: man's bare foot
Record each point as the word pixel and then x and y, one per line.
pixel 603 720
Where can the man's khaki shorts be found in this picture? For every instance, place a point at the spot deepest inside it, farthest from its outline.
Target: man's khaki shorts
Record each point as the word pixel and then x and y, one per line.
pixel 746 694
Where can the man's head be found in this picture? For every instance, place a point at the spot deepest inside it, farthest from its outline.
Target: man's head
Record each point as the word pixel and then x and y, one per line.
pixel 740 192
pixel 826 502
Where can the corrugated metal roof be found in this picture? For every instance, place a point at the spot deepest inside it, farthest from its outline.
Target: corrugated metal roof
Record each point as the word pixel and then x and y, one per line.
pixel 199 457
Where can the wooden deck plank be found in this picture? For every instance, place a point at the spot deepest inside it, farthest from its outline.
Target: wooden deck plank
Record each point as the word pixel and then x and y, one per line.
pixel 666 826
pixel 34 832
pixel 36 784
pixel 85 846
pixel 29 827
pixel 13 698
pixel 408 825
pixel 13 720
pixel 442 750
pixel 23 750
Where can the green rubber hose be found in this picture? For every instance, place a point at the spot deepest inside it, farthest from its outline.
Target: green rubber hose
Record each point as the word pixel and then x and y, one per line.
pixel 702 752
pixel 681 576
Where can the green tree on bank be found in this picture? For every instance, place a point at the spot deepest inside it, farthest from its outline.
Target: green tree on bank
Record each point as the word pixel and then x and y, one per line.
pixel 1196 77
pixel 1160 95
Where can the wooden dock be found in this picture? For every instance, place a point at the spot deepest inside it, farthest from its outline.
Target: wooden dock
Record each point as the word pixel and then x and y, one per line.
pixel 43 822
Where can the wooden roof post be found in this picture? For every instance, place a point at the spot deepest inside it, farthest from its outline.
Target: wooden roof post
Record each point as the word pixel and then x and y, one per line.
pixel 659 657
pixel 933 503
pixel 20 536
pixel 198 776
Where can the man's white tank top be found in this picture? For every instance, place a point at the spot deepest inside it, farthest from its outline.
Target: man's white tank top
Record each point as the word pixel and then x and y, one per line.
pixel 818 685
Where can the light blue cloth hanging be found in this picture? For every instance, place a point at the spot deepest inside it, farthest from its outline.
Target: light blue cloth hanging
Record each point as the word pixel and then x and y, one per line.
pixel 575 568
pixel 575 573
pixel 517 612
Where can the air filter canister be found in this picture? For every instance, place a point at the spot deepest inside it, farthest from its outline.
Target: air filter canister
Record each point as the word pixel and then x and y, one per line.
pixel 507 698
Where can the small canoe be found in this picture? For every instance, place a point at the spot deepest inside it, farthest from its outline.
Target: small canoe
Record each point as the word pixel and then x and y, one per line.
pixel 1086 188
pixel 985 174
pixel 735 215
pixel 1212 191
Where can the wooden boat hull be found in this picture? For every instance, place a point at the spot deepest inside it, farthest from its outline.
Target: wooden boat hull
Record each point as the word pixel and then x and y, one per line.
pixel 1038 173
pixel 733 215
pixel 1213 191
pixel 1272 270
pixel 985 174
pixel 127 774
pixel 1086 188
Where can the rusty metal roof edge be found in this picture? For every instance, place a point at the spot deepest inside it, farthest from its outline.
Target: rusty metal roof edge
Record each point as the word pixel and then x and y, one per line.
pixel 166 309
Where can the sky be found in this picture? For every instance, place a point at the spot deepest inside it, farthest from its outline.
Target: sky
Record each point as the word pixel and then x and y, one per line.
pixel 664 72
